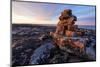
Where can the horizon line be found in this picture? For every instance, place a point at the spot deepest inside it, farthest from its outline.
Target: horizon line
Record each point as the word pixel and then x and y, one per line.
pixel 47 24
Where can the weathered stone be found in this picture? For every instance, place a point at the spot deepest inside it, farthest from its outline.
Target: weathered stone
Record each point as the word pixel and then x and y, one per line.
pixel 70 33
pixel 80 45
pixel 72 27
pixel 41 54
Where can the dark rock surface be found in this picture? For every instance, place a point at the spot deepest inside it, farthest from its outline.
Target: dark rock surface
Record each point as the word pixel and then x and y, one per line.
pixel 41 54
pixel 31 44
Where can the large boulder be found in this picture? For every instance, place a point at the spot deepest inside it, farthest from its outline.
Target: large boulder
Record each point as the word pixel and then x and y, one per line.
pixel 41 54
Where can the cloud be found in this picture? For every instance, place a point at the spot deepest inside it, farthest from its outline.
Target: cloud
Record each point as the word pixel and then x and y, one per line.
pixel 48 13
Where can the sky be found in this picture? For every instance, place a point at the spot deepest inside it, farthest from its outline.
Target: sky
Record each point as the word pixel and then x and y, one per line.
pixel 48 13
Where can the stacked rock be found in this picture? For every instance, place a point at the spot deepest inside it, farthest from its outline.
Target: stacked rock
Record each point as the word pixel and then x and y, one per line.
pixel 66 33
pixel 66 25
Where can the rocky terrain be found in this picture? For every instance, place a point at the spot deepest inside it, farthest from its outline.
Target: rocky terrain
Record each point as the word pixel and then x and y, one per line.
pixel 32 44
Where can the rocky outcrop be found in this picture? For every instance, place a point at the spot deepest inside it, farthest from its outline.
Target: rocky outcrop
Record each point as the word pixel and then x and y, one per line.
pixel 41 55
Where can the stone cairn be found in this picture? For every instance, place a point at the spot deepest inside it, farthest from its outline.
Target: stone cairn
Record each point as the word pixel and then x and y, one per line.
pixel 66 32
pixel 66 23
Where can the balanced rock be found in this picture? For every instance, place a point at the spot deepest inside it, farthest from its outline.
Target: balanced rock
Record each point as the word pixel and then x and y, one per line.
pixel 65 19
